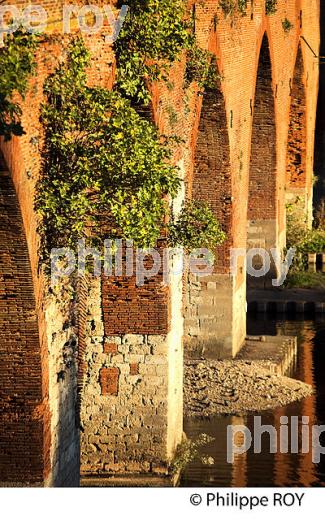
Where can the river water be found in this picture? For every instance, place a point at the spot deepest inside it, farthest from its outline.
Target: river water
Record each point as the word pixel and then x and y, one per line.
pixel 267 469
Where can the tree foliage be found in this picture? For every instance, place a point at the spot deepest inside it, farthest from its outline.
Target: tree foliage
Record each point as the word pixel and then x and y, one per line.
pixel 104 167
pixel 17 64
pixel 271 6
pixel 196 227
pixel 153 36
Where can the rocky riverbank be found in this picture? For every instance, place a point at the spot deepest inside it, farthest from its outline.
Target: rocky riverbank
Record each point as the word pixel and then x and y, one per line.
pixel 236 387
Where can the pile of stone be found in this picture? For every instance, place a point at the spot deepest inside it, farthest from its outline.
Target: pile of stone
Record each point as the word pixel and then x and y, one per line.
pixel 237 387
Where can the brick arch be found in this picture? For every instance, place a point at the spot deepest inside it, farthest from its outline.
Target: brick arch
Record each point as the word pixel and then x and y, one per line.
pixel 296 156
pixel 211 180
pixel 208 310
pixel 24 435
pixel 262 193
pixel 296 173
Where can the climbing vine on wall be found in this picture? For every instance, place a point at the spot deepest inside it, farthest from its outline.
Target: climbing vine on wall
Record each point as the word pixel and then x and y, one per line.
pixel 103 164
pixel 106 170
pixel 17 64
pixel 104 167
pixel 201 67
pixel 231 7
pixel 271 6
pixel 152 37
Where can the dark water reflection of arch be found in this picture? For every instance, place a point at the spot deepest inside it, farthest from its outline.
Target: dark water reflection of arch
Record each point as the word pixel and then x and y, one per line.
pixel 265 469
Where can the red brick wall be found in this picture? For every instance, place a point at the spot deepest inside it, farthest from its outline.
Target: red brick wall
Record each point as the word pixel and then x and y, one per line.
pixel 23 158
pixel 132 309
pixel 236 43
pixel 296 167
pixel 24 456
pixel 212 176
pixel 262 202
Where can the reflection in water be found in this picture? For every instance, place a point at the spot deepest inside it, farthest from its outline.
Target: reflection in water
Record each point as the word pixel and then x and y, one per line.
pixel 266 469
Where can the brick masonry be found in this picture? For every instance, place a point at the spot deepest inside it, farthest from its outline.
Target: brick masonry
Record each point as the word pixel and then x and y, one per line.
pixel 126 386
pixel 298 181
pixel 256 59
pixel 131 395
pixel 46 446
pixel 24 456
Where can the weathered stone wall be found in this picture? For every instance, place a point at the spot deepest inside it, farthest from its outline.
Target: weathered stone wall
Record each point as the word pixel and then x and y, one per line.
pixel 41 342
pixel 62 356
pixel 131 384
pixel 131 396
pixel 130 339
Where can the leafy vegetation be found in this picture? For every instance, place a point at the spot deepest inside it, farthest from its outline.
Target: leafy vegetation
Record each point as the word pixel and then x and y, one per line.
pixel 105 169
pixel 314 242
pixel 297 227
pixel 305 279
pixel 231 7
pixel 196 227
pixel 287 25
pixel 299 236
pixel 189 450
pixel 271 6
pixel 305 241
pixel 319 217
pixel 242 6
pixel 201 67
pixel 153 36
pixel 103 164
pixel 17 64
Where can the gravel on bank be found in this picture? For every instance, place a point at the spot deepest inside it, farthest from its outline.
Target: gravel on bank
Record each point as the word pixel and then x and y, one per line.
pixel 236 387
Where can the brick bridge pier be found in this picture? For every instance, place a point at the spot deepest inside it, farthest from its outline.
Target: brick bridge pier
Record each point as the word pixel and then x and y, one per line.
pixel 96 385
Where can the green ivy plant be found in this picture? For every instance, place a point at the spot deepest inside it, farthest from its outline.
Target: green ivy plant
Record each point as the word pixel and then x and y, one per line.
pixel 228 7
pixel 196 227
pixel 287 25
pixel 106 171
pixel 104 167
pixel 201 67
pixel 153 36
pixel 231 7
pixel 314 242
pixel 17 64
pixel 271 6
pixel 242 6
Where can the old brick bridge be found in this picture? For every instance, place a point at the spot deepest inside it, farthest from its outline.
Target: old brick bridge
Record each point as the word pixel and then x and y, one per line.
pixel 95 386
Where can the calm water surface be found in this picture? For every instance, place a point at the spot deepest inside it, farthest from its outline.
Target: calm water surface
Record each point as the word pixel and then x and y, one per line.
pixel 265 469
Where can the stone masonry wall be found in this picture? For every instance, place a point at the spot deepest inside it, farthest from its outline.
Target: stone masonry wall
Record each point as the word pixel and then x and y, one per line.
pixel 50 438
pixel 130 383
pixel 132 348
